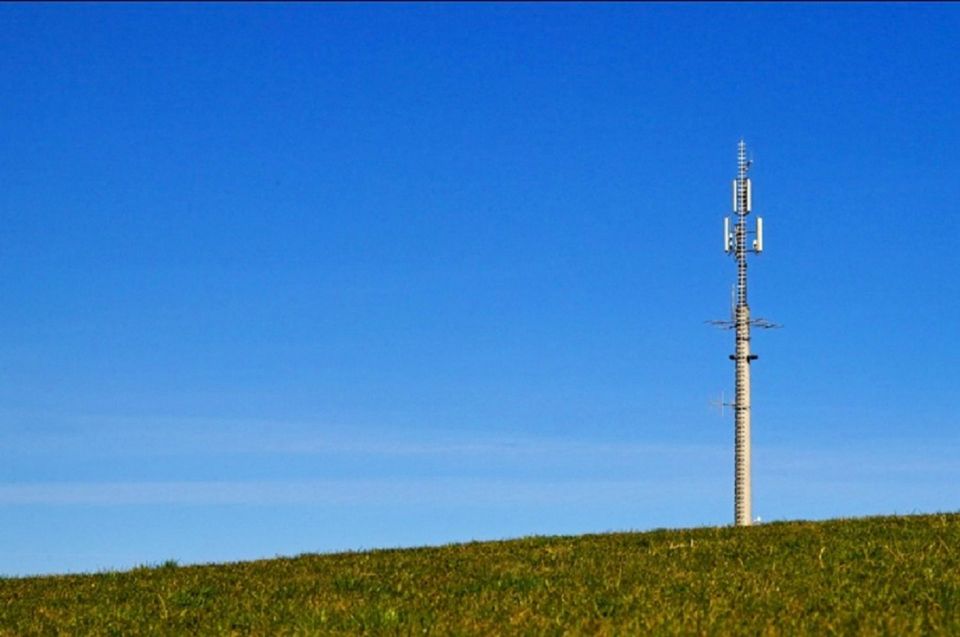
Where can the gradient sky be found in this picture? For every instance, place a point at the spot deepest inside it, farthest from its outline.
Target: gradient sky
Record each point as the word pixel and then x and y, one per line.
pixel 284 279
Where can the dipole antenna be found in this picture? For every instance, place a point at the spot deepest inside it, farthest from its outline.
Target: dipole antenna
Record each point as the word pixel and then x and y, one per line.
pixel 736 243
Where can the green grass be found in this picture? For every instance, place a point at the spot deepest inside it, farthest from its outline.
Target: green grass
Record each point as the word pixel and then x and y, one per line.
pixel 871 576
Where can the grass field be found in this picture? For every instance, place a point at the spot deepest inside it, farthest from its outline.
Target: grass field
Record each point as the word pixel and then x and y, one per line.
pixel 871 576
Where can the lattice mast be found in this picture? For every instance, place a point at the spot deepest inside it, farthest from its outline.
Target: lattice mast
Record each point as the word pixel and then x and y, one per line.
pixel 736 243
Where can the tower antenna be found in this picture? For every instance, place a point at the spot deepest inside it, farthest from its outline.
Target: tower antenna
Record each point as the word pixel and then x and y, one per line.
pixel 735 243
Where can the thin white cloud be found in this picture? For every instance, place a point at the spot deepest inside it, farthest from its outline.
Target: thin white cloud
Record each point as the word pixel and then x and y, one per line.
pixel 111 436
pixel 334 492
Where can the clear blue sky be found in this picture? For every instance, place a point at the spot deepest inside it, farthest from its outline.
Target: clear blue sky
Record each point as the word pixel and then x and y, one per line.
pixel 283 279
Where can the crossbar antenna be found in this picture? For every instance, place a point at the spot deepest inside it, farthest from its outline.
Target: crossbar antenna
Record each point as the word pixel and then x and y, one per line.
pixel 737 243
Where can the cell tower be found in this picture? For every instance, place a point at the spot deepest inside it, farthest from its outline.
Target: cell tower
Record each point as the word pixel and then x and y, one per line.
pixel 735 243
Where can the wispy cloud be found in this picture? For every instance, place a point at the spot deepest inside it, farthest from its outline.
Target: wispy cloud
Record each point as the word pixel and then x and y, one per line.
pixel 367 465
pixel 458 491
pixel 109 436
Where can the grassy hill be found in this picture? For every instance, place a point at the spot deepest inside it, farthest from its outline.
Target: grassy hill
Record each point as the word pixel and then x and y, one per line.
pixel 884 575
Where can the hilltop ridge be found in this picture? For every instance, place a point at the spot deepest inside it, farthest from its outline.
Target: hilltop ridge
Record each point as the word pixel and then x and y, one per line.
pixel 880 575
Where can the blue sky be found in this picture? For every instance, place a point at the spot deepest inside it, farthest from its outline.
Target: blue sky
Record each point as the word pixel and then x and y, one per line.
pixel 281 279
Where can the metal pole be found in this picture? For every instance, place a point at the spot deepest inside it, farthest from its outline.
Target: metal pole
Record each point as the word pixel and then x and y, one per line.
pixel 742 357
pixel 735 243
